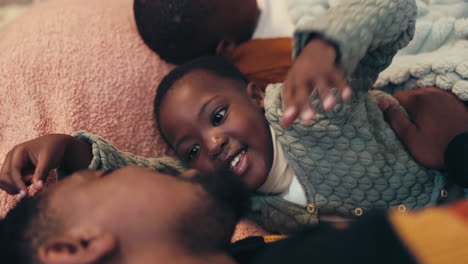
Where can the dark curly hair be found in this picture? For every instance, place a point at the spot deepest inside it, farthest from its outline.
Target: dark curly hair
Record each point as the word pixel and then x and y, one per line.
pixel 168 26
pixel 32 222
pixel 27 226
pixel 217 65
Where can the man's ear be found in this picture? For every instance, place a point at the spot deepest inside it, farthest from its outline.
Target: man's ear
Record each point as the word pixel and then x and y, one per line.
pixel 225 48
pixel 255 94
pixel 78 248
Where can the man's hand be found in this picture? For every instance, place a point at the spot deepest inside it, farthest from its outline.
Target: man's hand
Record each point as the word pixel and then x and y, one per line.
pixel 314 69
pixel 31 162
pixel 436 118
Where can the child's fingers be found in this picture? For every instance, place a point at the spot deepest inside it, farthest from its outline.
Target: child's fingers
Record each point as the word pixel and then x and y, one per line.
pixel 18 181
pixel 290 110
pixel 296 102
pixel 6 182
pixel 289 116
pixel 286 94
pixel 326 97
pixel 301 101
pixel 307 114
pixel 7 187
pixel 40 172
pixel 340 83
pixel 4 169
pixel 16 165
pixel 346 93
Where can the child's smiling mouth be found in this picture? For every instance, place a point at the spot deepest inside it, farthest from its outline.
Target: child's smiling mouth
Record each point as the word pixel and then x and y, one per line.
pixel 238 161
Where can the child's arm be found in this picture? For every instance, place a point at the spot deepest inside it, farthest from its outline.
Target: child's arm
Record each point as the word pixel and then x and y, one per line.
pixel 33 160
pixel 314 70
pixel 366 34
pixel 105 156
pixel 300 10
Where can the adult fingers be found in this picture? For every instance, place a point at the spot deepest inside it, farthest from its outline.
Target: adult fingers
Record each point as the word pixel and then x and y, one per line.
pixel 405 98
pixel 419 102
pixel 411 99
pixel 397 119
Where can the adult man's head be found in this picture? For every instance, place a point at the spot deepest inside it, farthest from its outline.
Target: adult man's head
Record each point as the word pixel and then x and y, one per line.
pixel 131 215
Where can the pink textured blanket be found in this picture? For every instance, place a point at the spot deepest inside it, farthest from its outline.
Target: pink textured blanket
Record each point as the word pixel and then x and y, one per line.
pixel 67 65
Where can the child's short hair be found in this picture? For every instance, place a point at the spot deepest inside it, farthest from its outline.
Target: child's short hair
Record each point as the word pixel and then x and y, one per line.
pixel 215 64
pixel 169 27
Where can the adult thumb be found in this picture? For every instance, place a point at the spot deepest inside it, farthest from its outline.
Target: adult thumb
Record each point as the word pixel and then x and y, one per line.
pixel 397 119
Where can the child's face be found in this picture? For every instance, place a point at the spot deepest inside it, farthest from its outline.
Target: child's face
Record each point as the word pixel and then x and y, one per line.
pixel 213 122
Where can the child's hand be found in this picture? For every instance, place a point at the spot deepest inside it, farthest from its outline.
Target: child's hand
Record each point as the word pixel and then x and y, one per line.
pixel 314 69
pixel 31 162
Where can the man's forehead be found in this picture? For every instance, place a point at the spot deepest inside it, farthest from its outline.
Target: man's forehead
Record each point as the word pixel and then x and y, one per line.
pixel 67 185
pixel 80 185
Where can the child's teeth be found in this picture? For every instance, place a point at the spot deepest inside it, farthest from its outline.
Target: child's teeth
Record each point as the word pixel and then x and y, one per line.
pixel 236 159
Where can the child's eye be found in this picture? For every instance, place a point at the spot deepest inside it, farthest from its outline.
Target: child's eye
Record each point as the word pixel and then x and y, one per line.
pixel 218 116
pixel 192 153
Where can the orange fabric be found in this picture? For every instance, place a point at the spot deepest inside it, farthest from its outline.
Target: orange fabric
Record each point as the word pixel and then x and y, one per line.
pixel 461 209
pixel 264 61
pixel 435 235
pixel 247 228
pixel 273 238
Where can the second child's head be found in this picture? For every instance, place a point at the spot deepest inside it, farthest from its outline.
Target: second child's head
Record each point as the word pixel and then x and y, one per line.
pixel 212 117
pixel 182 30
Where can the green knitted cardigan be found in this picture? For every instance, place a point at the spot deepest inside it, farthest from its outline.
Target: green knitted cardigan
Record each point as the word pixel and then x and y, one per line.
pixel 348 161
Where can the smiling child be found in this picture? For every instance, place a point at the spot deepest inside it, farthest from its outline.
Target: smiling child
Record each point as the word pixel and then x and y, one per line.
pixel 340 160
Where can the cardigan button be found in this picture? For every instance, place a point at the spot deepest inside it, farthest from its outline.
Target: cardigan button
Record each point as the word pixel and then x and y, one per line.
pixel 443 193
pixel 311 208
pixel 358 211
pixel 401 208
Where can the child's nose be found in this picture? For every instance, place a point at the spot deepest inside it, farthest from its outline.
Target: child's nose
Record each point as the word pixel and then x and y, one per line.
pixel 216 145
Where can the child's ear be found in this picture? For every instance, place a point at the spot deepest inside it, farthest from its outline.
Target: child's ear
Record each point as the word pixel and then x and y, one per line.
pixel 225 48
pixel 255 94
pixel 83 247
